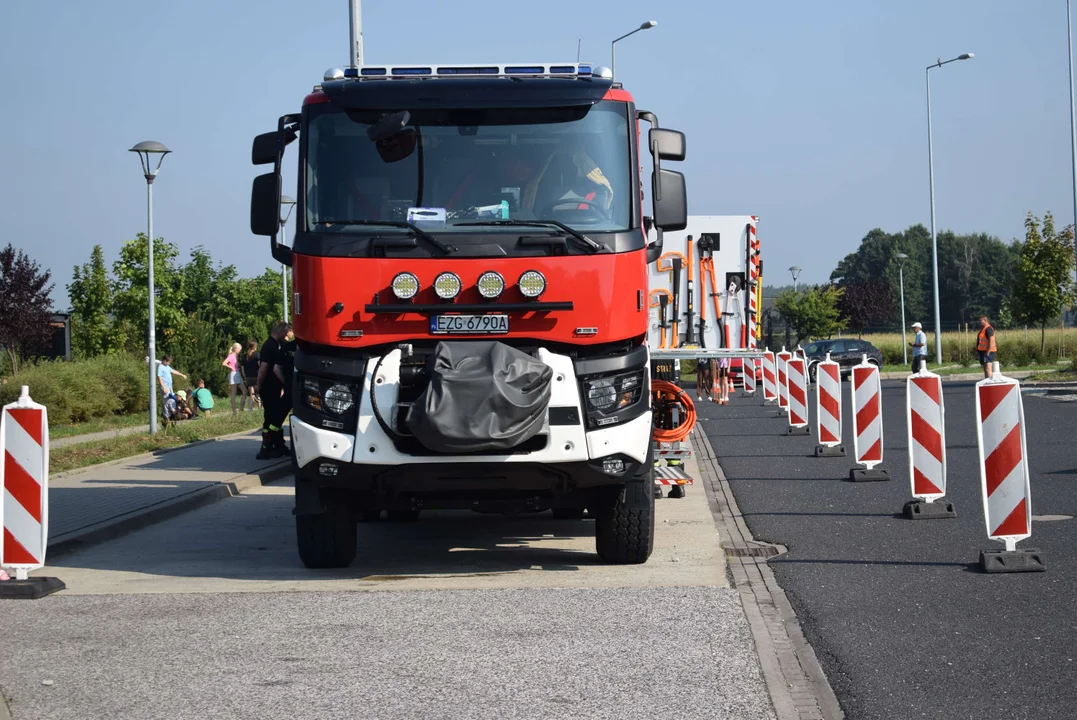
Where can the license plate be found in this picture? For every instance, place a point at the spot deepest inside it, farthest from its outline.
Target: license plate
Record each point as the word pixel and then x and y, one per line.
pixel 469 324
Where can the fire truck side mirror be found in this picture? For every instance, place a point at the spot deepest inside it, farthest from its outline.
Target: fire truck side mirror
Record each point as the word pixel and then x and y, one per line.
pixel 671 201
pixel 265 205
pixel 667 144
pixel 266 148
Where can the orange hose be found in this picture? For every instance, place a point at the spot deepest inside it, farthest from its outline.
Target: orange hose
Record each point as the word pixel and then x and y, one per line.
pixel 665 390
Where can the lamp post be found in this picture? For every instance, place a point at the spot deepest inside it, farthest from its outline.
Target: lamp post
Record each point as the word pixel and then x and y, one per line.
pixel 613 46
pixel 286 206
pixel 1073 121
pixel 147 150
pixel 795 272
pixel 931 182
pixel 901 258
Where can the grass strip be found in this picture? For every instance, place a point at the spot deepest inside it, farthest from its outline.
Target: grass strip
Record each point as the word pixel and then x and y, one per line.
pixel 96 425
pixel 73 457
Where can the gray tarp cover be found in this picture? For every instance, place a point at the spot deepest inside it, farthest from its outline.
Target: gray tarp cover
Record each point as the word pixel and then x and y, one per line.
pixel 482 396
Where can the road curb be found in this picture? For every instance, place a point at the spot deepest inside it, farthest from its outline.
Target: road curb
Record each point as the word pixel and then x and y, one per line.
pixel 795 679
pixel 129 522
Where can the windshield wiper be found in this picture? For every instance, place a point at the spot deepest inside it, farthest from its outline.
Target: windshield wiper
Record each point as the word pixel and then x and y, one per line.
pixel 419 232
pixel 594 246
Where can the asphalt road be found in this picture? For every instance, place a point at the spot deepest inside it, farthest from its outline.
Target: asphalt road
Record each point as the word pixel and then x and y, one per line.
pixel 905 623
pixel 460 615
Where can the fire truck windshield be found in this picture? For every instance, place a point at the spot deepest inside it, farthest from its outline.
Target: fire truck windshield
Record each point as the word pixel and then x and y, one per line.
pixel 445 170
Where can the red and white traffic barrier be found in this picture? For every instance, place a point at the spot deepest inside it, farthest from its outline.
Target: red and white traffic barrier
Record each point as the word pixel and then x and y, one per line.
pixel 797 389
pixel 24 492
pixel 783 383
pixel 866 389
pixel 1007 493
pixel 749 370
pixel 770 377
pixel 925 413
pixel 828 407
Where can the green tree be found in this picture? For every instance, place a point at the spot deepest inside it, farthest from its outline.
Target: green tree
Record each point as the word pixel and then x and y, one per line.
pixel 199 351
pixel 131 295
pixel 91 304
pixel 812 313
pixel 1044 287
pixel 26 310
pixel 976 273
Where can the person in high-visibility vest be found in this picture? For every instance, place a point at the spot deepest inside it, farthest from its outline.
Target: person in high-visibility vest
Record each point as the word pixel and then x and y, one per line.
pixel 985 345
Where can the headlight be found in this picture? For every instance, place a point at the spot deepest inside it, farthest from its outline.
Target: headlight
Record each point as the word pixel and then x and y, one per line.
pixel 312 394
pixel 405 286
pixel 447 285
pixel 614 393
pixel 338 399
pixel 601 394
pixel 532 284
pixel 490 285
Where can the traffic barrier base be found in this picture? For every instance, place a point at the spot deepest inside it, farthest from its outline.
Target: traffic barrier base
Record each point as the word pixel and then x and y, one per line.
pixel 829 451
pixel 866 475
pixel 33 588
pixel 924 510
pixel 803 430
pixel 1009 561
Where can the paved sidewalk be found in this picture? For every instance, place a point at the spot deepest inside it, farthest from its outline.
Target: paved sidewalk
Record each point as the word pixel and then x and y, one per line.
pixel 105 495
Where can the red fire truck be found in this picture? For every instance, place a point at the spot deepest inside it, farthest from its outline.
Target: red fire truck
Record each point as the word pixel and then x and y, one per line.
pixel 470 297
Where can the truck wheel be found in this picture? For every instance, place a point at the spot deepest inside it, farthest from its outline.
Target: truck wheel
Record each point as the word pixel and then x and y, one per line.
pixel 402 515
pixel 624 522
pixel 328 539
pixel 568 513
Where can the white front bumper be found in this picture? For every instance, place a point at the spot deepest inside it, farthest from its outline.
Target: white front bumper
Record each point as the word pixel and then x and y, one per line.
pixel 566 443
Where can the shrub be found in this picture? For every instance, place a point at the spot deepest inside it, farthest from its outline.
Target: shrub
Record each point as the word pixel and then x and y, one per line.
pixel 83 389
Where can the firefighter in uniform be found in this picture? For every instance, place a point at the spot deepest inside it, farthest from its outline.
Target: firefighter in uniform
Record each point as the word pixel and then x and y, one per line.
pixel 985 346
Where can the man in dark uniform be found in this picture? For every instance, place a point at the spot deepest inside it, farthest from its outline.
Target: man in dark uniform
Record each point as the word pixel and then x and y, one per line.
pixel 283 370
pixel 270 388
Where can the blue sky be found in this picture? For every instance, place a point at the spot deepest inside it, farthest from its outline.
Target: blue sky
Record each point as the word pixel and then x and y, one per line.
pixel 810 115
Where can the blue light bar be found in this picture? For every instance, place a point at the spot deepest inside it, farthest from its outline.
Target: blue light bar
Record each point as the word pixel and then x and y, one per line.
pixel 563 70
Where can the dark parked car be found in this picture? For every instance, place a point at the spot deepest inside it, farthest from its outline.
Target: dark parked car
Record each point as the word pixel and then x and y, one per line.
pixel 847 352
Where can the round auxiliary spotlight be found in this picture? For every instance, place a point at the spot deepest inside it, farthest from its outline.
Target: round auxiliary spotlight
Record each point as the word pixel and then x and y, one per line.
pixel 405 286
pixel 447 285
pixel 532 284
pixel 490 284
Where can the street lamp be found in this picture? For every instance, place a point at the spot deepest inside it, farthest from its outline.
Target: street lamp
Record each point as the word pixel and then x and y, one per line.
pixel 795 272
pixel 1073 120
pixel 901 258
pixel 146 152
pixel 931 181
pixel 287 204
pixel 613 46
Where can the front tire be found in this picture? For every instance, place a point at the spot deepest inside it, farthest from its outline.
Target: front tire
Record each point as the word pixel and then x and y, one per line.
pixel 624 520
pixel 327 539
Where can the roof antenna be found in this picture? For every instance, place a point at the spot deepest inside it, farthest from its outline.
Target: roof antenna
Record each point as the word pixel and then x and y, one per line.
pixel 578 42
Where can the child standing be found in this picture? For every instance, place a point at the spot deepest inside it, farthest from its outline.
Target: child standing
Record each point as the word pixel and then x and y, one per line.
pixel 235 377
